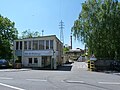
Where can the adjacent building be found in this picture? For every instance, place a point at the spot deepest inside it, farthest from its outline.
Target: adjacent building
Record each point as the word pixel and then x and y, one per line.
pixel 73 55
pixel 44 51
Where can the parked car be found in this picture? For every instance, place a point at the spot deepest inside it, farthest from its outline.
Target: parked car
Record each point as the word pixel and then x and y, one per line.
pixel 4 63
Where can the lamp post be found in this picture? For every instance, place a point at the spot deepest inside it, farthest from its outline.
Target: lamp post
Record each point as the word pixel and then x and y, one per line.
pixel 53 60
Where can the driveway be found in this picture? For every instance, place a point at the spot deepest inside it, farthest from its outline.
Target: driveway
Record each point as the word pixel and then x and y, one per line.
pixel 77 66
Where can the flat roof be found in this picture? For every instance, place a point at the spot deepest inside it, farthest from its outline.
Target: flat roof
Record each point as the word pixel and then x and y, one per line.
pixel 40 37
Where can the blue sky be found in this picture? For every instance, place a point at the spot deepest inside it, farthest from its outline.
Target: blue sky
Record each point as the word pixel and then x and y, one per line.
pixel 38 15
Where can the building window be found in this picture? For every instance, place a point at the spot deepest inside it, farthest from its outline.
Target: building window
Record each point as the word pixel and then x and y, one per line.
pixel 20 45
pixel 35 60
pixel 17 45
pixel 25 45
pixel 57 46
pixel 47 44
pixel 30 60
pixel 35 45
pixel 29 45
pixel 51 44
pixel 41 45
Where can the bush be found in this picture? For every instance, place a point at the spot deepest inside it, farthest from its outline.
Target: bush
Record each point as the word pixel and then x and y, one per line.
pixel 17 61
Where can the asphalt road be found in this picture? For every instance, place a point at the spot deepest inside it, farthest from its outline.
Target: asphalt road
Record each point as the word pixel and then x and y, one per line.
pixel 76 79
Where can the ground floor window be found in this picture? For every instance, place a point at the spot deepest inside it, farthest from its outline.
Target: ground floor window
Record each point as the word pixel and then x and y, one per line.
pixel 35 60
pixel 30 60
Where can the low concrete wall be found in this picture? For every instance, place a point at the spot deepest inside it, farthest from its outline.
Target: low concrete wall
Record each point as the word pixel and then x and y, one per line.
pixel 103 65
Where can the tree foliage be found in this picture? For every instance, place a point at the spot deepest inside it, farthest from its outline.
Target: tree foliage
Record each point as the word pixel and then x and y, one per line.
pixel 66 48
pixel 29 34
pixel 7 34
pixel 98 26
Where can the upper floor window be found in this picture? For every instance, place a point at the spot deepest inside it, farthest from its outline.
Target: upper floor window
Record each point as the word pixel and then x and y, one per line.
pixel 35 45
pixel 51 44
pixel 41 44
pixel 17 45
pixel 20 45
pixel 29 45
pixel 25 45
pixel 57 45
pixel 47 44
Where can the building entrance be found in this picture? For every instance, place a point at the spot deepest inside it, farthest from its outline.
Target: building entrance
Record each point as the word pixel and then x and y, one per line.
pixel 46 61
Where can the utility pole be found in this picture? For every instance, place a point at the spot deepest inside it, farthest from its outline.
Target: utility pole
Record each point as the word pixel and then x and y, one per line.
pixel 71 39
pixel 61 24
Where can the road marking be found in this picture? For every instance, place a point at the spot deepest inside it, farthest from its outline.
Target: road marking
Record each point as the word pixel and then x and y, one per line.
pixel 115 83
pixel 13 87
pixel 39 80
pixel 70 81
pixel 6 78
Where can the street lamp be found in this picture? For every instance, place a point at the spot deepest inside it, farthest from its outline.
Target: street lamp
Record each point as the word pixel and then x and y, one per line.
pixel 52 60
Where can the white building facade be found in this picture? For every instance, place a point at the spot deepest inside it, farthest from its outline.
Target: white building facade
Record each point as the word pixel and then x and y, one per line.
pixel 44 51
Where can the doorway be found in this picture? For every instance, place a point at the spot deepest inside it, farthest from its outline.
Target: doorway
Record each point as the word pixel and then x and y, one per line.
pixel 46 61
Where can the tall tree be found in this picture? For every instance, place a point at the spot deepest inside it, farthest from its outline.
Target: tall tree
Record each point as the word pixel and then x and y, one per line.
pixel 7 34
pixel 98 26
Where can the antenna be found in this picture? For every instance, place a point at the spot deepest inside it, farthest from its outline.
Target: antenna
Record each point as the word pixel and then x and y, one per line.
pixel 42 32
pixel 61 31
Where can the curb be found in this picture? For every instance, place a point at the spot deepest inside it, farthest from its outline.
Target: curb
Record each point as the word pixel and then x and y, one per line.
pixel 13 70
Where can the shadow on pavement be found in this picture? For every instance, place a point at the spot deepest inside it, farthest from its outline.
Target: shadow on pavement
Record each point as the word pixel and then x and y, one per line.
pixel 65 67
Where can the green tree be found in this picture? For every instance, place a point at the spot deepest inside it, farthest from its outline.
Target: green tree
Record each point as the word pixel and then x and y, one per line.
pixel 66 48
pixel 98 26
pixel 7 34
pixel 29 34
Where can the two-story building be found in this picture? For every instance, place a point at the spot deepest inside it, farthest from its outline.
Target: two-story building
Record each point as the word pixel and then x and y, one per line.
pixel 43 51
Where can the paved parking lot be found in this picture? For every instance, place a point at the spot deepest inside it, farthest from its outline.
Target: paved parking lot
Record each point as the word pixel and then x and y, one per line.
pixel 79 79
